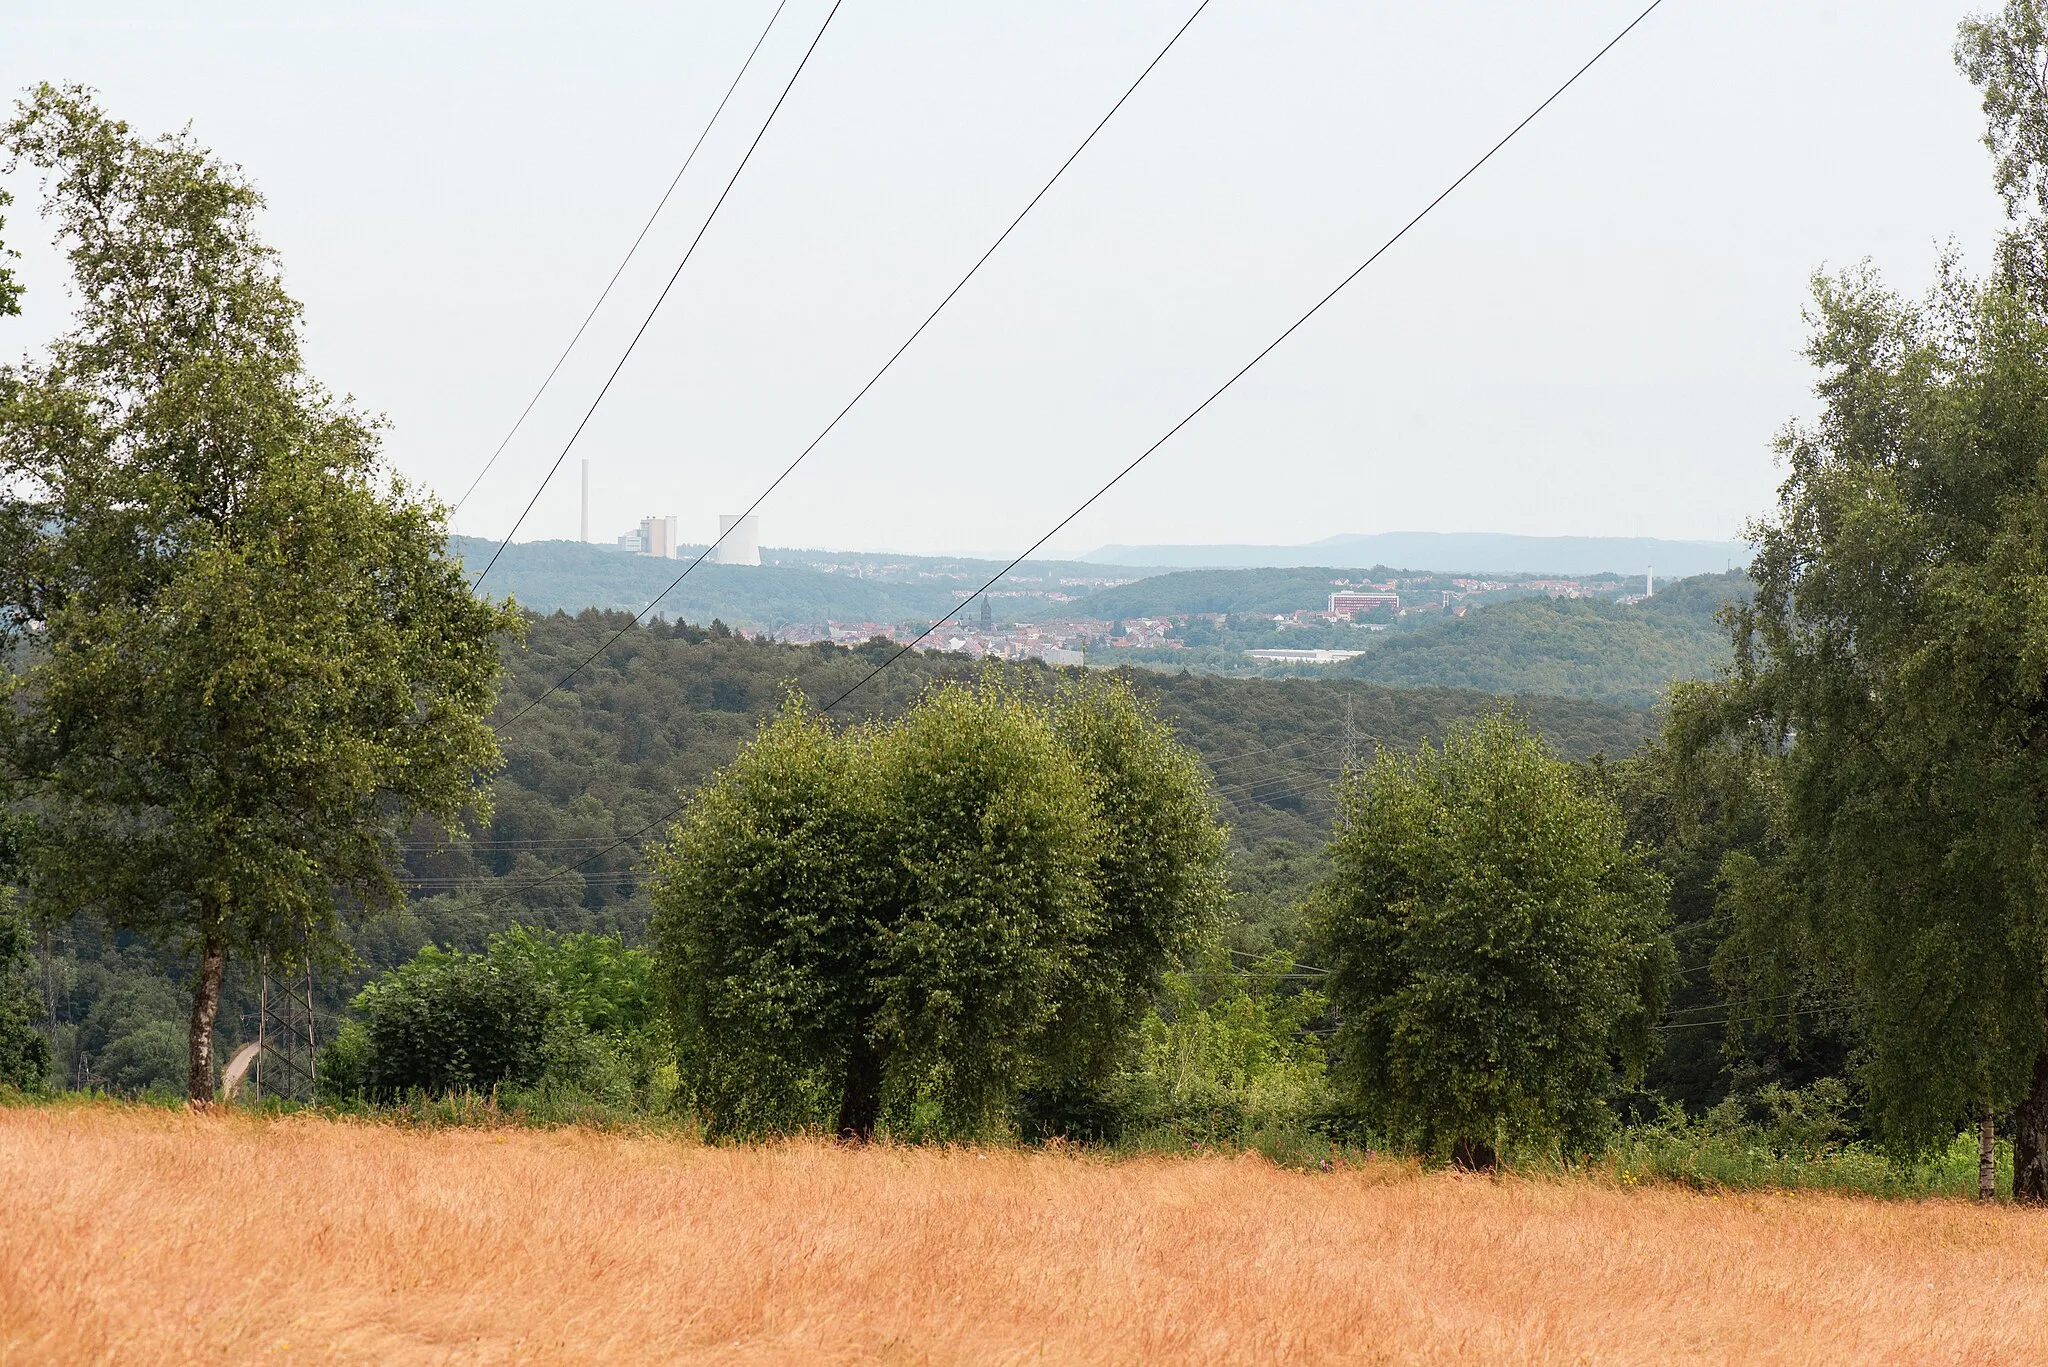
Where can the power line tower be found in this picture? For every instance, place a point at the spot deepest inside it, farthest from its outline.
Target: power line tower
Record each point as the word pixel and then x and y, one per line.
pixel 287 1055
pixel 1350 736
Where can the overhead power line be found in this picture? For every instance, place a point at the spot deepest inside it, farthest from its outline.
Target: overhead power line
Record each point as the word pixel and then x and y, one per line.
pixel 663 296
pixel 627 259
pixel 1264 351
pixel 874 379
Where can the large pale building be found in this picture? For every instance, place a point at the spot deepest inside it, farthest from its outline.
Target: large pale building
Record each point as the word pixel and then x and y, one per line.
pixel 655 536
pixel 739 540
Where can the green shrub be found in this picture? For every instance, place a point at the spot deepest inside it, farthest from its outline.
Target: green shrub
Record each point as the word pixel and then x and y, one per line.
pixel 345 1063
pixel 1227 1053
pixel 1790 1139
pixel 453 1022
pixel 571 1011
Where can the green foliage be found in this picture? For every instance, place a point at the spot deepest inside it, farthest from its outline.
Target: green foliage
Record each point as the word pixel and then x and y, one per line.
pixel 10 288
pixel 1566 647
pixel 921 917
pixel 1744 1013
pixel 1891 668
pixel 247 664
pixel 24 1053
pixel 133 1038
pixel 454 1022
pixel 2002 54
pixel 660 712
pixel 594 981
pixel 1784 1139
pixel 1497 954
pixel 345 1062
pixel 1228 1052
pixel 669 706
pixel 534 1007
pixel 1158 872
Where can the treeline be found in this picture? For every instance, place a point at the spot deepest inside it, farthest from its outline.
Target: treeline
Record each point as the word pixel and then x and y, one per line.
pixel 590 772
pixel 988 915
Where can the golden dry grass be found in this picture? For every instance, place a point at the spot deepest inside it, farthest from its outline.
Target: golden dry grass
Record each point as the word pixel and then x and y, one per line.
pixel 142 1236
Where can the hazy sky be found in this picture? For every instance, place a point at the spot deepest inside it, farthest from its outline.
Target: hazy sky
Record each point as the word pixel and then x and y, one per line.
pixel 1599 334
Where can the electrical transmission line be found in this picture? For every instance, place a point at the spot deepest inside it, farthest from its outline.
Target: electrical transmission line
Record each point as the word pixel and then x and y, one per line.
pixel 663 296
pixel 627 259
pixel 1263 352
pixel 874 379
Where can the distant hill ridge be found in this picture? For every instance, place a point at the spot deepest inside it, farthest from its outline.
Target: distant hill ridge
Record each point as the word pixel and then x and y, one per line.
pixel 1455 553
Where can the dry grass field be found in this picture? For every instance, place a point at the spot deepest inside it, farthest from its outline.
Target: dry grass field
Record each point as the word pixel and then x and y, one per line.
pixel 145 1236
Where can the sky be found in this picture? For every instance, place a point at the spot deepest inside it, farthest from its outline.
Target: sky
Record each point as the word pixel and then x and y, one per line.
pixel 1599 334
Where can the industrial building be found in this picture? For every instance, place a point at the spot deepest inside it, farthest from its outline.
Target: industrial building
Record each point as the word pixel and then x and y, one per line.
pixel 739 540
pixel 656 536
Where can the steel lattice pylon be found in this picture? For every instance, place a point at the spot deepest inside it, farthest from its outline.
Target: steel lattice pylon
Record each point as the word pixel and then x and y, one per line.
pixel 287 1063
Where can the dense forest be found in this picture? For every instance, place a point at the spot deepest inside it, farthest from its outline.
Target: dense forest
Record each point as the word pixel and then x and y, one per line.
pixel 1566 647
pixel 594 769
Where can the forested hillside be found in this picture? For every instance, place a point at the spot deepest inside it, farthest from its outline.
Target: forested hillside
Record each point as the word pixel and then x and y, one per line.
pixel 593 771
pixel 665 708
pixel 1627 654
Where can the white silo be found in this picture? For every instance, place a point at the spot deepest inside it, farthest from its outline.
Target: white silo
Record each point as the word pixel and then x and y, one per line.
pixel 739 541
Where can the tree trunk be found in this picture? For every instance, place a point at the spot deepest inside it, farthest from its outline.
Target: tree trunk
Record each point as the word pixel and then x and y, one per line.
pixel 205 1006
pixel 860 1105
pixel 1987 1157
pixel 2030 1140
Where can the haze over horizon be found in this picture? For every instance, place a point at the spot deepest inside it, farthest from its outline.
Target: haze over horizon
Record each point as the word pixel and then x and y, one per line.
pixel 1598 335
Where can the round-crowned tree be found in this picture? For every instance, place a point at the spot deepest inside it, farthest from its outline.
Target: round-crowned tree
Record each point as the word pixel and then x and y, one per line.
pixel 1159 878
pixel 847 917
pixel 1498 957
pixel 931 914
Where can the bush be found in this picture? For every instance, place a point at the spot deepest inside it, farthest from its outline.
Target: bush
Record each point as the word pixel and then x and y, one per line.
pixel 573 1011
pixel 1227 1054
pixel 453 1022
pixel 345 1064
pixel 1790 1139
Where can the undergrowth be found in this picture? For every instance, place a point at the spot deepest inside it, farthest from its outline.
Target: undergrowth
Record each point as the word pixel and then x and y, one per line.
pixel 1704 1153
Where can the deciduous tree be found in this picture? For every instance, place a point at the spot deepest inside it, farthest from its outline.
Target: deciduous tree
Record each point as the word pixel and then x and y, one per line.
pixel 931 912
pixel 246 663
pixel 1896 659
pixel 1497 956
